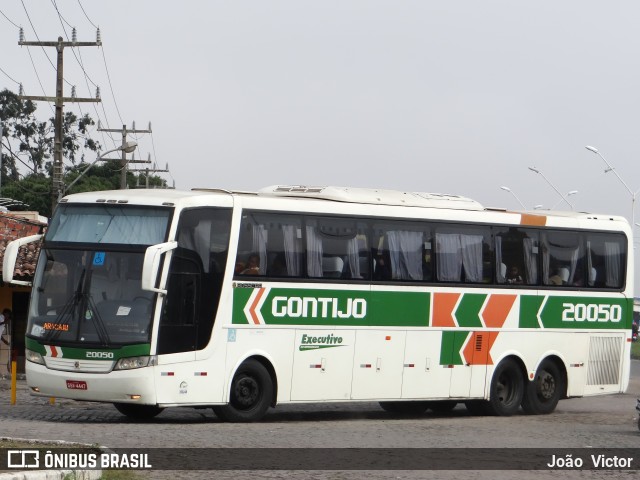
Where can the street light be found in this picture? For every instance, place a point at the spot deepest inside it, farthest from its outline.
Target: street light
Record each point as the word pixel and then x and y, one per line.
pixel 610 168
pixel 563 197
pixel 507 189
pixel 126 147
pixel 572 192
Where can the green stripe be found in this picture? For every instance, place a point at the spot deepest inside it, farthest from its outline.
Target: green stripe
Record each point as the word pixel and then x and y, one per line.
pixel 125 351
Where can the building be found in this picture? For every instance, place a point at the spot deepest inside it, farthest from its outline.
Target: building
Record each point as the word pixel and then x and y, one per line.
pixel 14 225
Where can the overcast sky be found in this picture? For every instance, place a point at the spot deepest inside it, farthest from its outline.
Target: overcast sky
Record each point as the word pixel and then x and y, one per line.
pixel 438 96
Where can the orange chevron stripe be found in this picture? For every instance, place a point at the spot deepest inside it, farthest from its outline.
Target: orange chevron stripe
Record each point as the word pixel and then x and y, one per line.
pixel 252 309
pixel 478 348
pixel 443 305
pixel 497 310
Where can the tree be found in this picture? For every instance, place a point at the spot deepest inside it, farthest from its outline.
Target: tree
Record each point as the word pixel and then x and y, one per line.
pixel 27 146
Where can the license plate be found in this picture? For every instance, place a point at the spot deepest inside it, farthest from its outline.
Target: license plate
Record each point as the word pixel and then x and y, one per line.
pixel 76 385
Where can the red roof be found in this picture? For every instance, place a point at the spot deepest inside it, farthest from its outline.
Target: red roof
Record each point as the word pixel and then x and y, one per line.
pixel 13 227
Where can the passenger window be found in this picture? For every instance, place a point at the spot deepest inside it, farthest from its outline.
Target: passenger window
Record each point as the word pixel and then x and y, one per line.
pixel 562 258
pixel 606 259
pixel 464 254
pixel 270 245
pixel 402 251
pixel 336 248
pixel 516 256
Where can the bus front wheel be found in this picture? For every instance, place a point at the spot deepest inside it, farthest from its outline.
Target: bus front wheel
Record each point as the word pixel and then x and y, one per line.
pixel 138 412
pixel 543 392
pixel 250 395
pixel 507 389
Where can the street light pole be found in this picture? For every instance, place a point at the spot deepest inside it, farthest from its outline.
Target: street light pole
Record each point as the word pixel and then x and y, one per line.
pixel 126 147
pixel 535 170
pixel 507 189
pixel 568 194
pixel 611 168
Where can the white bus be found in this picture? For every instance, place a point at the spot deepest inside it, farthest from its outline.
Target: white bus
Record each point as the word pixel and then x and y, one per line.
pixel 241 301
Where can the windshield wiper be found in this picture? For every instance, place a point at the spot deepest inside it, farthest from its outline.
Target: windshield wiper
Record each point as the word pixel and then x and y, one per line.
pixel 66 314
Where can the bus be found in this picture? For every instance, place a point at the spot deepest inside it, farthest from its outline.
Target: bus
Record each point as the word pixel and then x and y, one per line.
pixel 241 301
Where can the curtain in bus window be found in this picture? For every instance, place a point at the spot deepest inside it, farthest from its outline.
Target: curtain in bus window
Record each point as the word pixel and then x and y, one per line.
pixel 472 257
pixel 546 259
pixel 575 255
pixel 448 257
pixel 291 249
pixel 612 264
pixel 353 255
pixel 134 229
pixel 530 262
pixel 314 252
pixel 259 247
pixel 405 249
pixel 591 279
pixel 501 268
pixel 138 229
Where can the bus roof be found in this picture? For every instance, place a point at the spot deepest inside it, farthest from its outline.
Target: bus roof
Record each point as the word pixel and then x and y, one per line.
pixel 363 196
pixel 373 196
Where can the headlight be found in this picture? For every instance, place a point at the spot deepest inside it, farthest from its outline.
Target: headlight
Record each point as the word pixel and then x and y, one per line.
pixel 135 362
pixel 34 357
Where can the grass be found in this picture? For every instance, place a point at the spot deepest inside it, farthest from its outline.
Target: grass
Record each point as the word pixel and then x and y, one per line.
pixel 635 349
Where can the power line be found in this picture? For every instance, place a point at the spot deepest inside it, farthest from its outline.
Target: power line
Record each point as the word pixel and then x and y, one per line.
pixel 8 19
pixel 85 14
pixel 9 76
pixel 111 87
pixel 36 34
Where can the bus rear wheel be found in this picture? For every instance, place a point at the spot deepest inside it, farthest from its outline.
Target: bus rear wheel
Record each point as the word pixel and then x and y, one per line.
pixel 406 408
pixel 250 396
pixel 507 389
pixel 543 393
pixel 138 412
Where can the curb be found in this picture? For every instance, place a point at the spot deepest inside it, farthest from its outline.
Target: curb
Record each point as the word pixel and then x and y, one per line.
pixel 51 474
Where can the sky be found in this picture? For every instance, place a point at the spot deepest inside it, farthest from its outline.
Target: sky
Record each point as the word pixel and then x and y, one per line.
pixel 455 97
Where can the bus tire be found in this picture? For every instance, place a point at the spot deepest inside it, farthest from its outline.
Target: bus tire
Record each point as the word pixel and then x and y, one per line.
pixel 138 412
pixel 250 396
pixel 442 407
pixel 543 393
pixel 507 389
pixel 405 408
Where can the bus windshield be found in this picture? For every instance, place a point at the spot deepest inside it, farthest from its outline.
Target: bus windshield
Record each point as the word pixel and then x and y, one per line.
pixel 90 297
pixel 87 286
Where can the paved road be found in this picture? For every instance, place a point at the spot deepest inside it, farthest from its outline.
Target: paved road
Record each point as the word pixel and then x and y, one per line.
pixel 600 422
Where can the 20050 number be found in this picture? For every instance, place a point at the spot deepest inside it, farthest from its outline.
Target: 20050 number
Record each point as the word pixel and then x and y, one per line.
pixel 591 313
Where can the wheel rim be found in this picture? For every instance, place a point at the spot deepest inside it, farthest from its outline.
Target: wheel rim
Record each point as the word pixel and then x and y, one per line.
pixel 246 393
pixel 546 387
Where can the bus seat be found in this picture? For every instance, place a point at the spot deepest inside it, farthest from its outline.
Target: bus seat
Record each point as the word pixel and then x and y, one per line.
pixel 564 274
pixel 332 267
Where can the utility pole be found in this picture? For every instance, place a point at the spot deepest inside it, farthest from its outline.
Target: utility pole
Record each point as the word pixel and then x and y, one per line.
pixel 59 99
pixel 123 159
pixel 147 171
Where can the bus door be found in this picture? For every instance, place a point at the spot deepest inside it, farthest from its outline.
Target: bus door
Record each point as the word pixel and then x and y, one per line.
pixel 193 289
